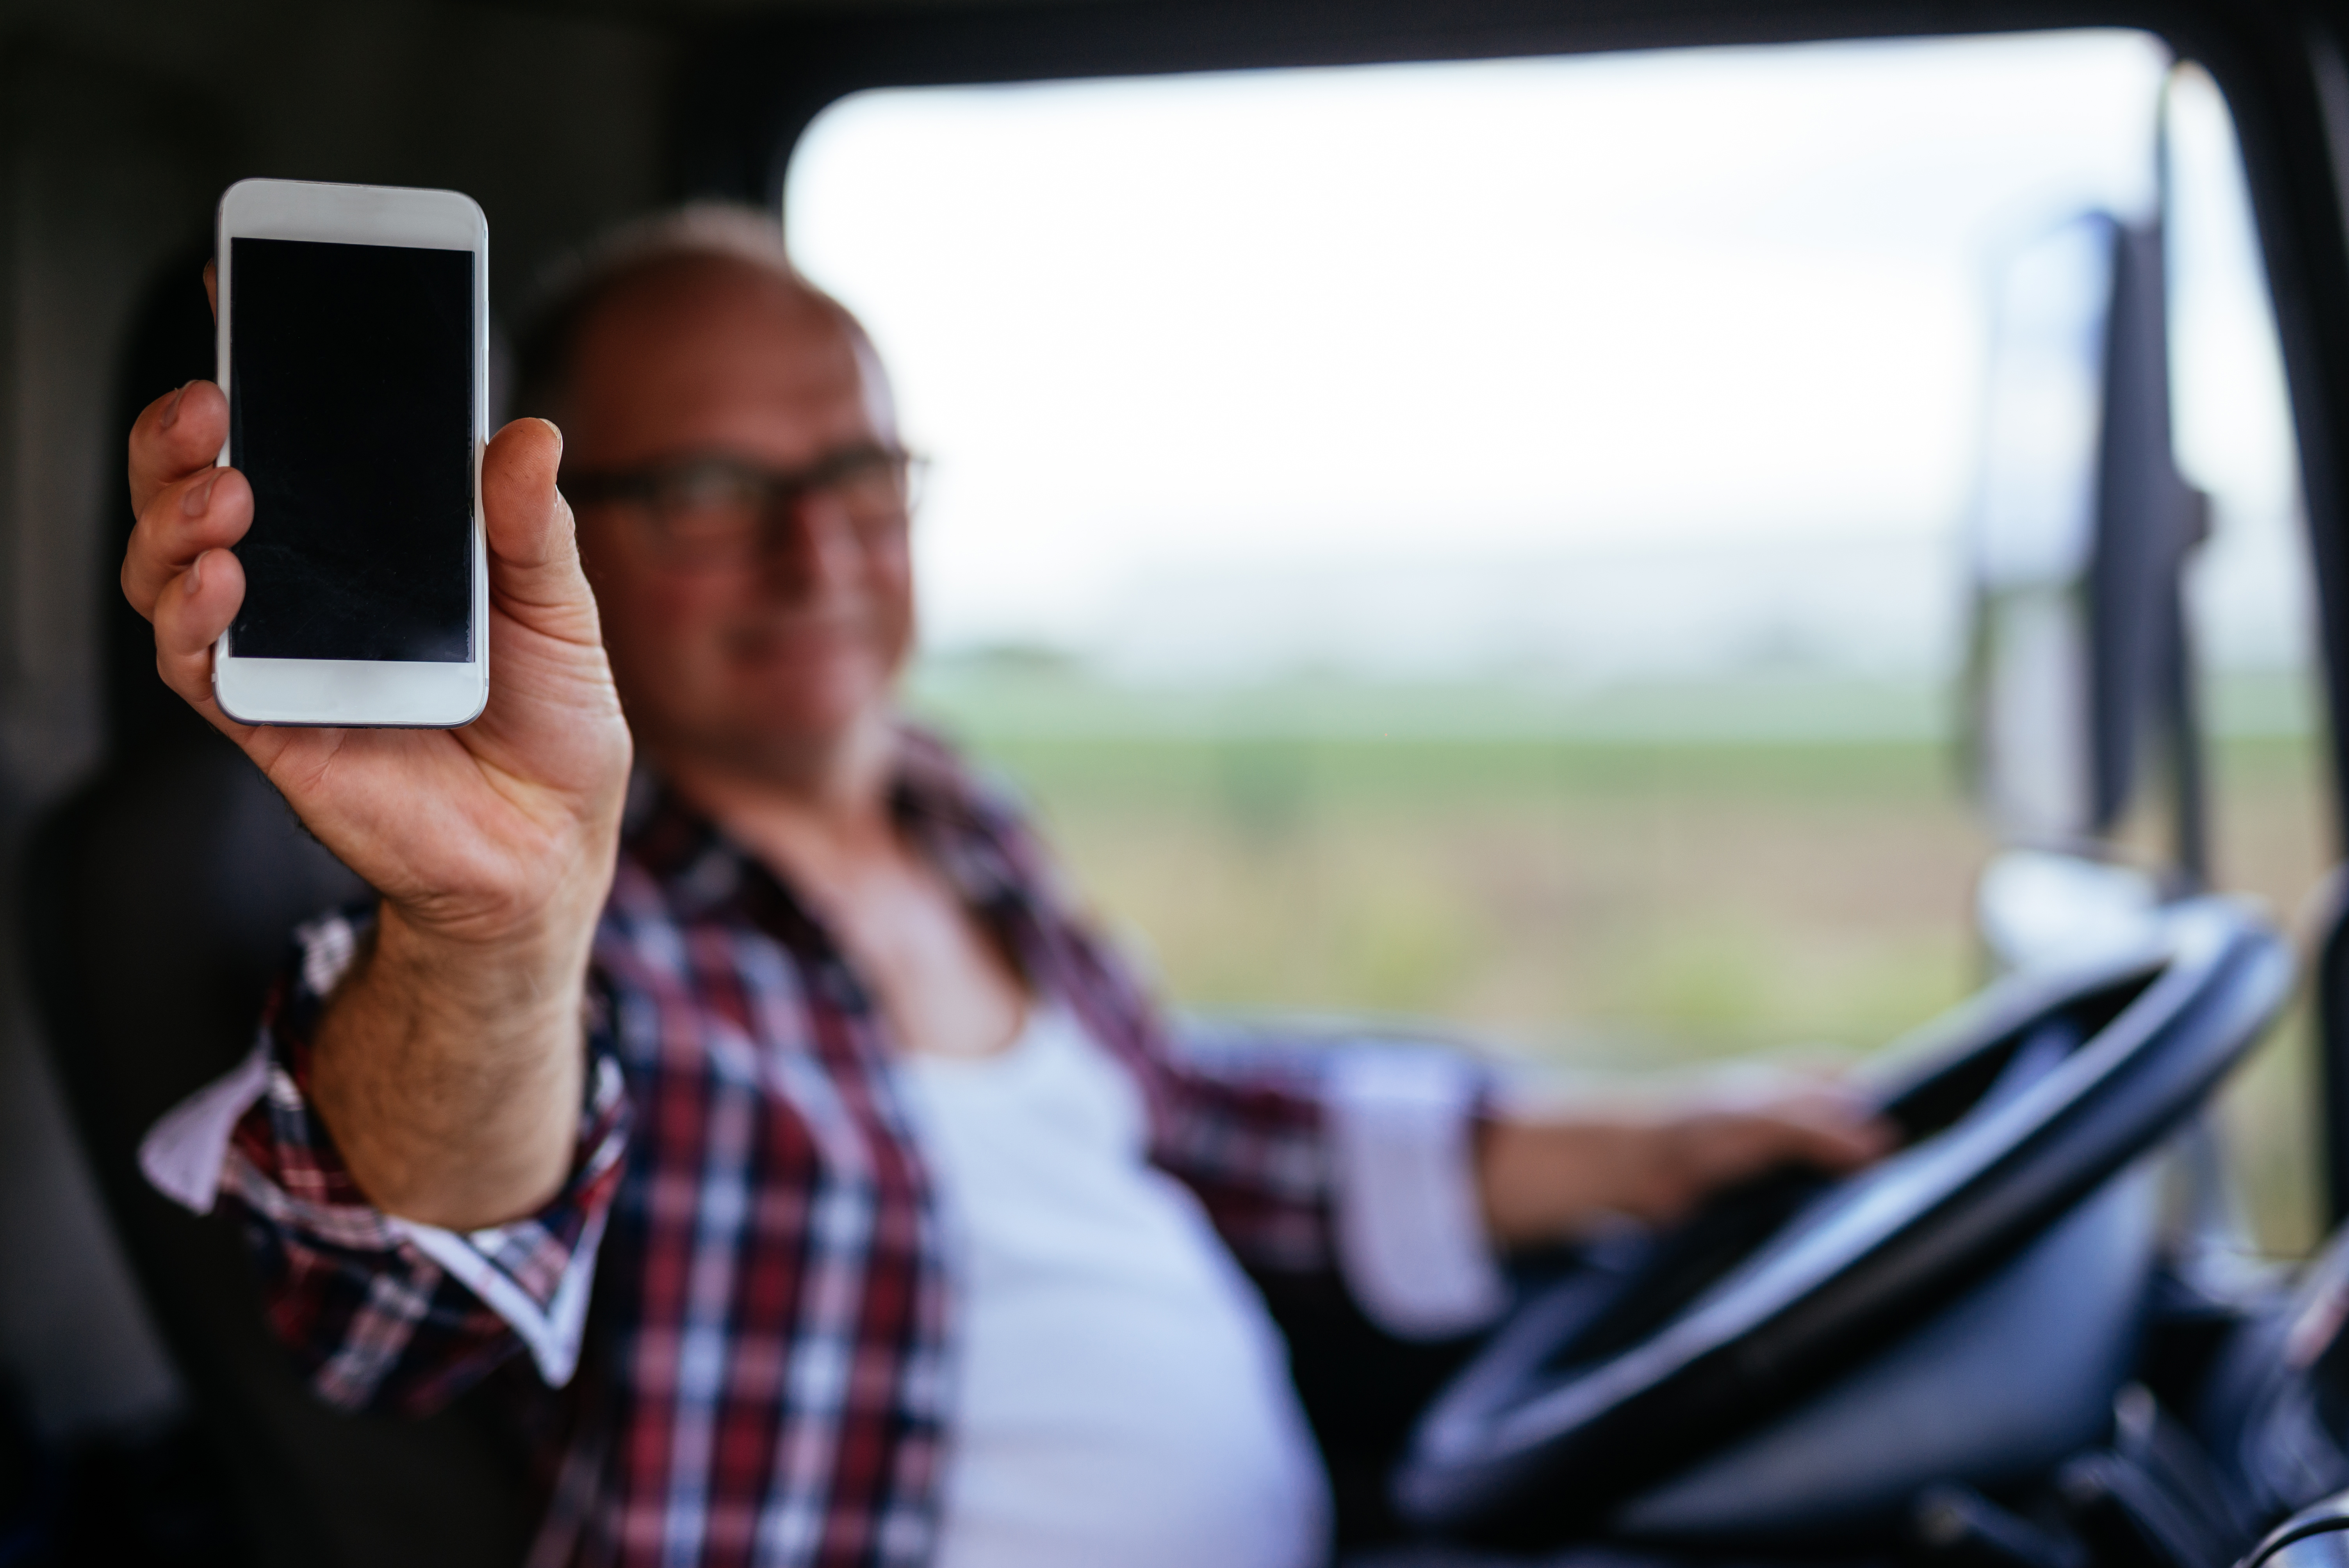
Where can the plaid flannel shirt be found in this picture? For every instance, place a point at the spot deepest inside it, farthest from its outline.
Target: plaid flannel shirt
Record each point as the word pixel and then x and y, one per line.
pixel 765 1380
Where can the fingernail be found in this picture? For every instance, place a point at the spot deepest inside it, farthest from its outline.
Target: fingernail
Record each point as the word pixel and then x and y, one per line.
pixel 196 574
pixel 171 409
pixel 200 496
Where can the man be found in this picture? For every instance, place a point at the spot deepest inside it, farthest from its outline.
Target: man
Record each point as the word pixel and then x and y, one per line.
pixel 891 1197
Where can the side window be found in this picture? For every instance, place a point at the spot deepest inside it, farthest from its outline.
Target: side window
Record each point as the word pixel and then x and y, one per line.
pixel 1483 542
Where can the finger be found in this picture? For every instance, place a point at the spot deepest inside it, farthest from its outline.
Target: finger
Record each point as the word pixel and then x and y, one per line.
pixel 1849 1145
pixel 536 575
pixel 191 614
pixel 174 436
pixel 533 548
pixel 1821 1130
pixel 211 287
pixel 1841 1116
pixel 209 510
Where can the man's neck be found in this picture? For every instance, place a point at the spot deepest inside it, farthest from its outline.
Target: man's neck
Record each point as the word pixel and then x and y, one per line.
pixel 804 811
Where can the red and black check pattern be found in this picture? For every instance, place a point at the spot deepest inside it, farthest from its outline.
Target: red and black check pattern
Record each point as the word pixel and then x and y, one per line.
pixel 765 1373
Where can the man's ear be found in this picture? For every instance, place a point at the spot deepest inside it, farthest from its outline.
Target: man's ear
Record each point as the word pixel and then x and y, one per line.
pixel 211 287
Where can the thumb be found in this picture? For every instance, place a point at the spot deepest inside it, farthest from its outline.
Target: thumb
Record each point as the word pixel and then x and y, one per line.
pixel 533 548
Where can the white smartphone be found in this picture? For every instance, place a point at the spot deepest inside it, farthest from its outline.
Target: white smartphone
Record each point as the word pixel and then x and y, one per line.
pixel 354 348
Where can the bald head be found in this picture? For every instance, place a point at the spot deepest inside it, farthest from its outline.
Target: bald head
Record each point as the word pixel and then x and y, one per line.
pixel 697 354
pixel 681 269
pixel 685 352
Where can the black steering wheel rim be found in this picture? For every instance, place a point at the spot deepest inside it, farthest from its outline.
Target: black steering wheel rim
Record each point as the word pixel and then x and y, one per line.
pixel 1534 1439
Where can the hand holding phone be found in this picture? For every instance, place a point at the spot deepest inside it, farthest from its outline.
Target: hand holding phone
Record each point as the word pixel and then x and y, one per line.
pixel 502 832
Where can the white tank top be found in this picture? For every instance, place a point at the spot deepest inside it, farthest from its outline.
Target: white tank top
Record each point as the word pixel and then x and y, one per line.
pixel 1124 1399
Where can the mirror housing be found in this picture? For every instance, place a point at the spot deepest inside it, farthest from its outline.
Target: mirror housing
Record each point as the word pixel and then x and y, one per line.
pixel 2078 545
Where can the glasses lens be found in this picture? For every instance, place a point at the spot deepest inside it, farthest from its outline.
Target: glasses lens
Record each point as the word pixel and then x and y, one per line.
pixel 708 510
pixel 870 485
pixel 869 488
pixel 714 511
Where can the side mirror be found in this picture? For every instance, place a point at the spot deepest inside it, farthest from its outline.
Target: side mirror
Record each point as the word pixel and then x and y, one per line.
pixel 2077 546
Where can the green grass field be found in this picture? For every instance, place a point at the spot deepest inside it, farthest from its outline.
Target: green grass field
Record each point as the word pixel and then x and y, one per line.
pixel 1605 882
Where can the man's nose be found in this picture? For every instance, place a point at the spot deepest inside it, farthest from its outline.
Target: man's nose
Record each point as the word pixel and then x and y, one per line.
pixel 808 544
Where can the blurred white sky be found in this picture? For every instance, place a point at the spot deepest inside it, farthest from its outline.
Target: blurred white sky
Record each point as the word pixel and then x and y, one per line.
pixel 1618 364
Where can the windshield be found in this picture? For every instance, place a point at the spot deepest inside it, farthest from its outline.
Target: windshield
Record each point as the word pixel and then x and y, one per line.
pixel 1485 541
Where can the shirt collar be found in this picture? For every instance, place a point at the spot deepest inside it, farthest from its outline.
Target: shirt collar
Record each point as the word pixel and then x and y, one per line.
pixel 966 829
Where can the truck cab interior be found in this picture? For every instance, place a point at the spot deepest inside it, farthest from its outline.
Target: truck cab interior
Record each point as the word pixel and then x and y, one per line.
pixel 2034 1337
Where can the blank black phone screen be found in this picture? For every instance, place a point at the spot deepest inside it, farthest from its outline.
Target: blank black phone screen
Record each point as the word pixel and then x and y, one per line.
pixel 351 413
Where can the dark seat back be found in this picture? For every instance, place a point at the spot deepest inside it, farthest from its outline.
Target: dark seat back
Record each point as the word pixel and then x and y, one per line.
pixel 158 903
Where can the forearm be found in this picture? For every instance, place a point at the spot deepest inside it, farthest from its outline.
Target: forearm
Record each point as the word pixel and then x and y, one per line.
pixel 450 1071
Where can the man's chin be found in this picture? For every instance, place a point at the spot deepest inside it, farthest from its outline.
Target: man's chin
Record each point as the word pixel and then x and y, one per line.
pixel 796 721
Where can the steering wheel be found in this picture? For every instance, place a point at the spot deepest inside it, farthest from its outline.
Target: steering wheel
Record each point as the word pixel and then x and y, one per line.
pixel 2012 1110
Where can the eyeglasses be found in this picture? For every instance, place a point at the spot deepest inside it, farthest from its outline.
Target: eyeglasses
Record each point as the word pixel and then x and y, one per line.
pixel 716 512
